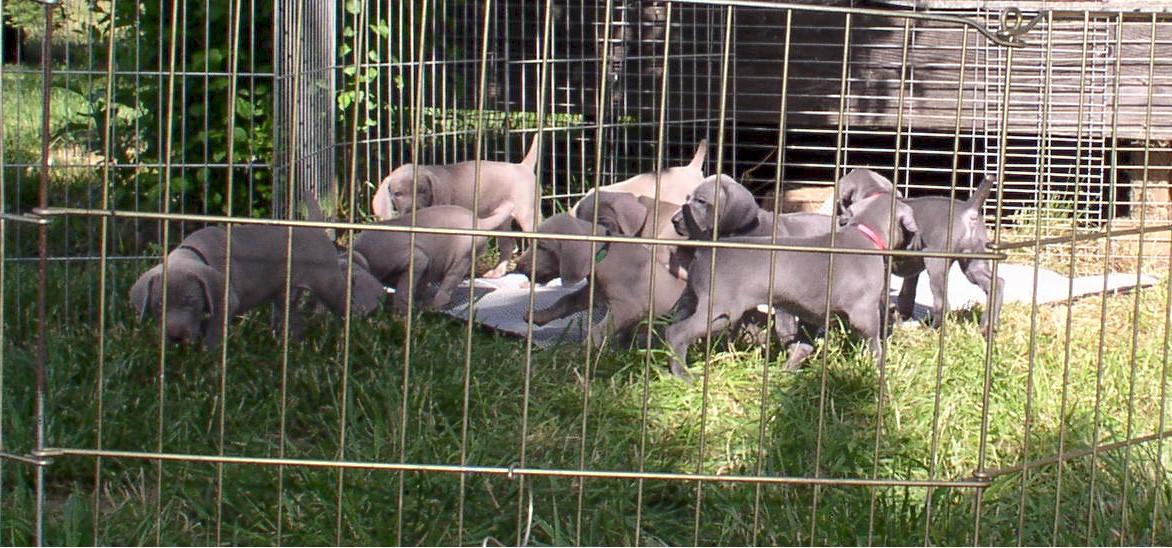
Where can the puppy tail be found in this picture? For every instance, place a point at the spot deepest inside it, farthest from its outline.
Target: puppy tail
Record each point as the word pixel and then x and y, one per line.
pixel 497 218
pixel 978 198
pixel 313 208
pixel 530 159
pixel 698 158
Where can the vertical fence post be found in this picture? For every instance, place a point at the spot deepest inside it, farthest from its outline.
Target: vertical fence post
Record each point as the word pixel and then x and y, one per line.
pixel 309 53
pixel 42 281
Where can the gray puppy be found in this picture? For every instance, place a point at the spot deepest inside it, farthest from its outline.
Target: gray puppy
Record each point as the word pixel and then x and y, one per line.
pixel 932 213
pixel 383 257
pixel 741 279
pixel 565 259
pixel 624 214
pixel 859 184
pixel 739 215
pixel 622 277
pixel 196 308
pixel 968 236
pixel 501 184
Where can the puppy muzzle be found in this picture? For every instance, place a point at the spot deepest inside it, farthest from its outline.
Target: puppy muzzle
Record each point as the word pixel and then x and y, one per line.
pixel 692 228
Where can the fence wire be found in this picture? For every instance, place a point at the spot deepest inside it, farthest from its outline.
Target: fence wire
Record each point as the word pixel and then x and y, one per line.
pixel 138 124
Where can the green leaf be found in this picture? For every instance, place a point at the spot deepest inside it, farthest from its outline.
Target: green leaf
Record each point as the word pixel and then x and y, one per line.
pixel 244 108
pixel 353 7
pixel 381 28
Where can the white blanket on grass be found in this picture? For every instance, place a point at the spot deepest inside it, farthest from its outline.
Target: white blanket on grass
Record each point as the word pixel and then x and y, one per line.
pixel 501 303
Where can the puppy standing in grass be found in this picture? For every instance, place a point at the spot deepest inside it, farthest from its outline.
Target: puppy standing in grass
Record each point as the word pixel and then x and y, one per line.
pixel 739 215
pixel 932 213
pixel 501 184
pixel 741 279
pixel 196 308
pixel 624 270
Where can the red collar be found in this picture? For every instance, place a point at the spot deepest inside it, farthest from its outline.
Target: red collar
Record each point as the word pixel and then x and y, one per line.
pixel 872 235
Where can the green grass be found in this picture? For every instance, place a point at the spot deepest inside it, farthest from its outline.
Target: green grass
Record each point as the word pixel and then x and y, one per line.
pixel 753 419
pixel 21 94
pixel 129 506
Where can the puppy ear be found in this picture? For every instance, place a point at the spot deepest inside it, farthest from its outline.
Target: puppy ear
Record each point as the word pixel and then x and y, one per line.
pixel 847 188
pixel 366 292
pixel 212 282
pixel 629 214
pixel 145 290
pixel 739 206
pixel 381 203
pixel 437 192
pixel 574 261
pixel 584 209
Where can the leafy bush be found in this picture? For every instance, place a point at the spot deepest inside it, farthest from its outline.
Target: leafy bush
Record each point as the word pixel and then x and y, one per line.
pixel 187 122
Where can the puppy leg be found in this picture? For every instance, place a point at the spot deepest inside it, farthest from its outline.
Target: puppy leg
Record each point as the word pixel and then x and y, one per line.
pixel 785 326
pixel 907 296
pixel 867 321
pixel 937 275
pixel 566 305
pixel 296 322
pixel 623 316
pixel 980 274
pixel 507 246
pixel 682 334
pixel 452 278
pixel 408 284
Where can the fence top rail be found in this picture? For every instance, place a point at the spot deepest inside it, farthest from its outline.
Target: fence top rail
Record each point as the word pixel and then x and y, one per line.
pixel 1013 24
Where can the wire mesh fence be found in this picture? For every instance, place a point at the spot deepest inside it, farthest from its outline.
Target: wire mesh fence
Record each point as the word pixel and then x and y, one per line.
pixel 458 414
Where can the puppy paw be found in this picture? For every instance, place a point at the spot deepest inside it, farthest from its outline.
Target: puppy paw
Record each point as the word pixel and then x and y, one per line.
pixel 682 373
pixel 497 272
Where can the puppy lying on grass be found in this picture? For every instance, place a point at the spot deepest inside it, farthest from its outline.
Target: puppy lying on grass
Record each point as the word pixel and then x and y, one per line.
pixel 383 257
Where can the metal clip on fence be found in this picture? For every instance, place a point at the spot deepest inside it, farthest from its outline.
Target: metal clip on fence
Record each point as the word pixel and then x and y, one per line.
pixel 1012 27
pixel 34 218
pixel 36 458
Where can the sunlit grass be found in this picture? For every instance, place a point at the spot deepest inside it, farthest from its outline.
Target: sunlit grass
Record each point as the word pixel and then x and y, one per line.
pixel 931 407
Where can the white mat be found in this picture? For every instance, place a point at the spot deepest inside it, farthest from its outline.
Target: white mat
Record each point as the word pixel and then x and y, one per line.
pixel 501 303
pixel 1019 283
